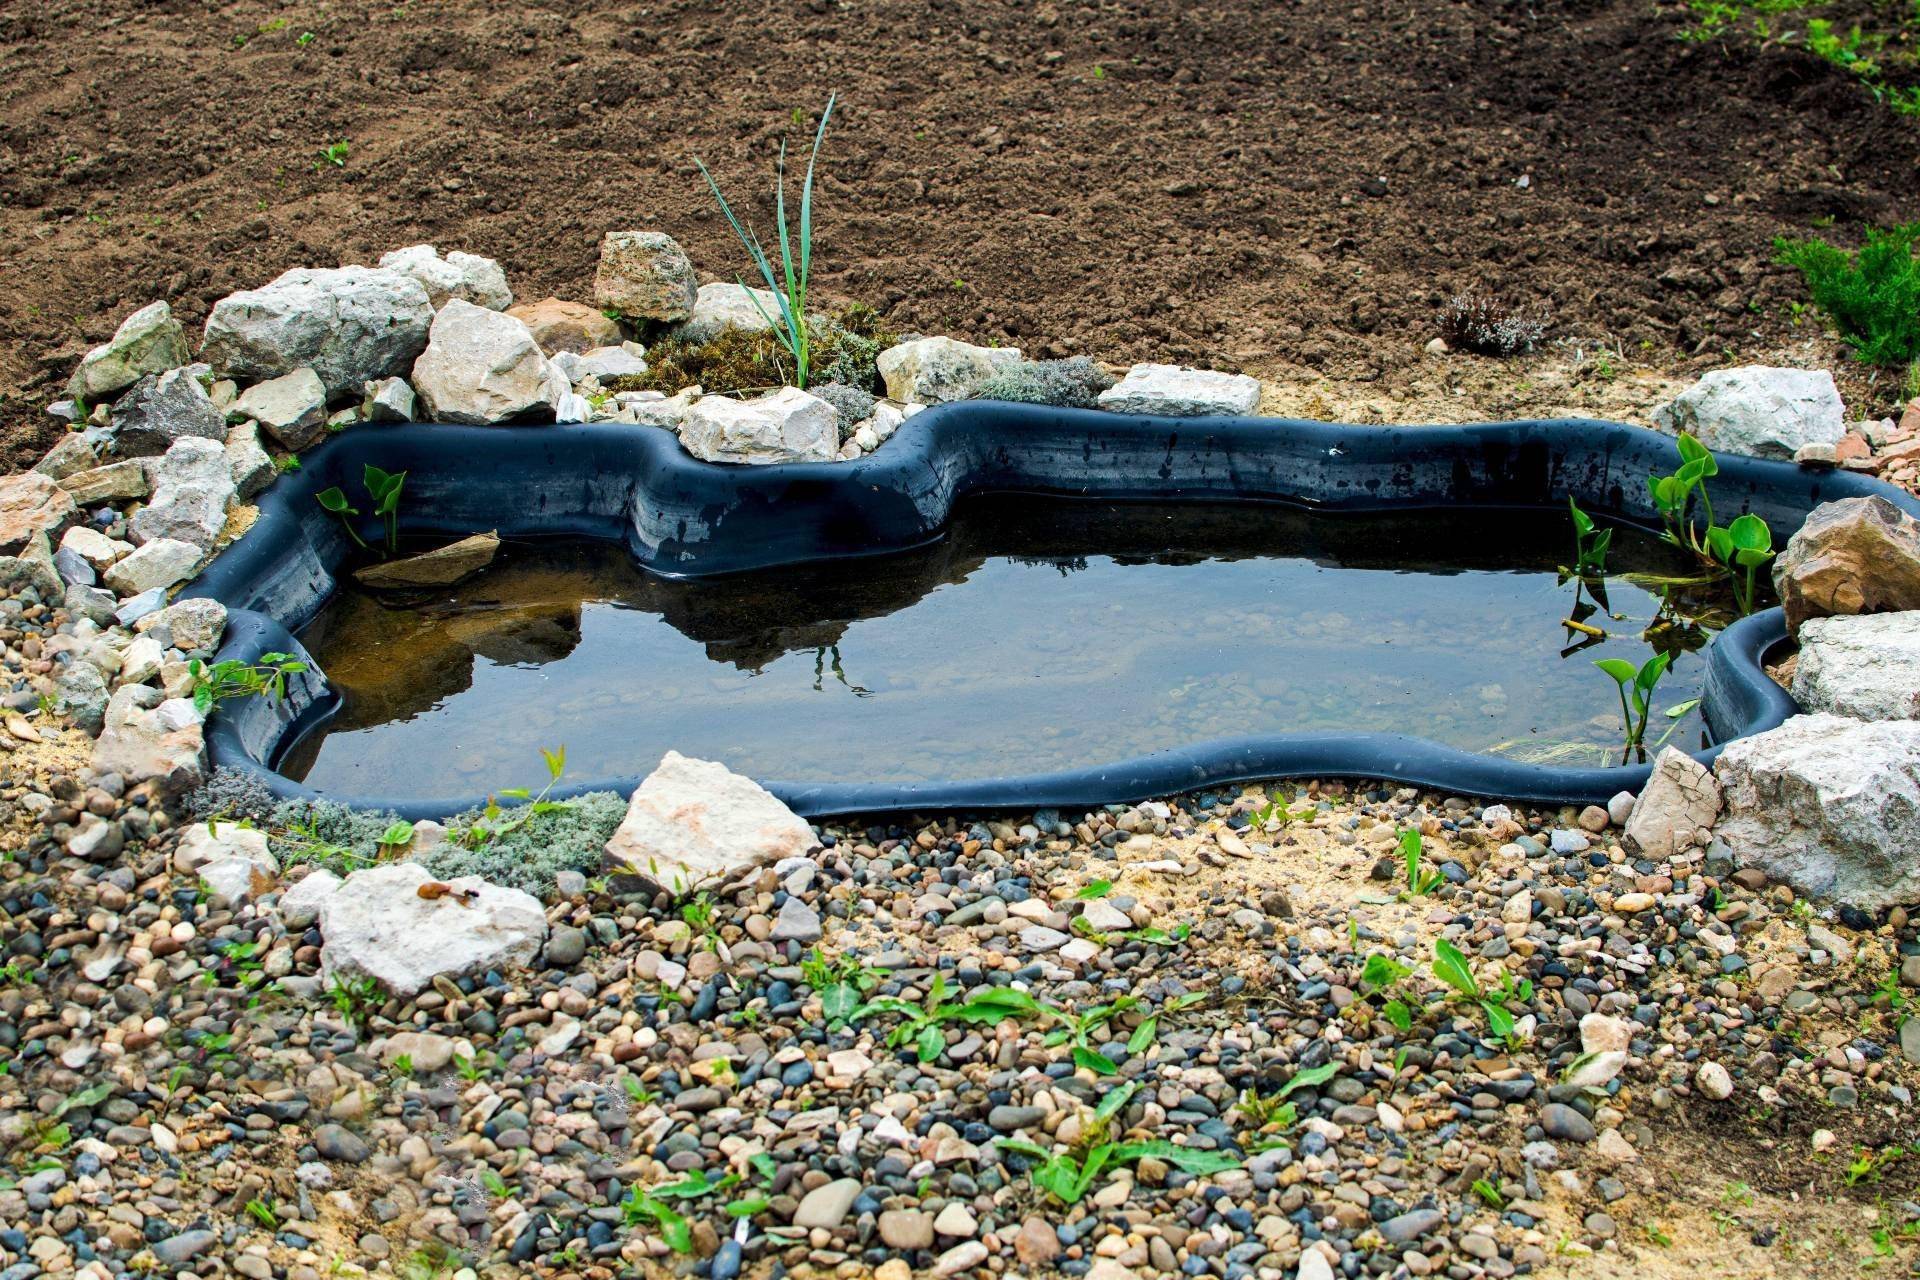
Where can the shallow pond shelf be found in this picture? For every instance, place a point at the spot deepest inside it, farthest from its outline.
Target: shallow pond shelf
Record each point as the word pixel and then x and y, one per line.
pixel 1229 599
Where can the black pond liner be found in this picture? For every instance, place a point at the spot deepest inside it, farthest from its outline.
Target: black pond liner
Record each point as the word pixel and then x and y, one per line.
pixel 682 517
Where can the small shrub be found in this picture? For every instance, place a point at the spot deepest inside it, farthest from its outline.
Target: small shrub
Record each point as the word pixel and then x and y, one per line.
pixel 853 404
pixel 1873 297
pixel 1074 383
pixel 1489 327
pixel 572 837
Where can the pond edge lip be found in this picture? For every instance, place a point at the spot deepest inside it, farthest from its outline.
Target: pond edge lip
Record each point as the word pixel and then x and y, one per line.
pixel 1740 698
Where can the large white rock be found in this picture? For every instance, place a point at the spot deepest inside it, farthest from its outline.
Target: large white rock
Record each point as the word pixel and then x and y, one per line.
pixel 694 822
pixel 1758 410
pixel 163 408
pixel 347 324
pixel 159 563
pixel 1829 805
pixel 192 489
pixel 233 859
pixel 148 341
pixel 1865 666
pixel 465 276
pixel 787 425
pixel 150 738
pixel 292 408
pixel 644 275
pixel 1174 391
pixel 483 366
pixel 729 306
pixel 935 370
pixel 1675 808
pixel 376 924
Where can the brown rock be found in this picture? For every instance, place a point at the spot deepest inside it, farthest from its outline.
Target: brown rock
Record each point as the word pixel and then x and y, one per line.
pixel 644 275
pixel 566 326
pixel 1910 420
pixel 441 567
pixel 1858 555
pixel 1037 1244
pixel 31 503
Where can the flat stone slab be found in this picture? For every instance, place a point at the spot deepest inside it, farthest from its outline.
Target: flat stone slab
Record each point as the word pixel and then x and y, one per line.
pixel 1174 391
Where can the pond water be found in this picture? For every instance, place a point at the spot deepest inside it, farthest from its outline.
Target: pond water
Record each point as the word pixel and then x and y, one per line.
pixel 1040 634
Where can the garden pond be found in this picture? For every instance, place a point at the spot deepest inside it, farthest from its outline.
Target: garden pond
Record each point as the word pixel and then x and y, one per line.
pixel 1038 634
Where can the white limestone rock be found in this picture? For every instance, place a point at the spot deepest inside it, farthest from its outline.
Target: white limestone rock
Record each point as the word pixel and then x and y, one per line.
pixel 235 861
pixel 248 463
pixel 1676 807
pixel 158 564
pixel 291 408
pixel 623 361
pixel 192 490
pixel 465 276
pixel 1174 391
pixel 787 425
pixel 193 626
pixel 1758 410
pixel 1829 805
pixel 148 341
pixel 483 367
pixel 729 306
pixel 387 400
pixel 936 370
pixel 375 924
pixel 1864 666
pixel 695 822
pixel 150 738
pixel 300 905
pixel 347 324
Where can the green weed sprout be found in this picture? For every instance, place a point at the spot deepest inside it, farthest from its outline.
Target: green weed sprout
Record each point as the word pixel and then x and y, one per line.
pixel 790 326
pixel 1589 543
pixel 1636 685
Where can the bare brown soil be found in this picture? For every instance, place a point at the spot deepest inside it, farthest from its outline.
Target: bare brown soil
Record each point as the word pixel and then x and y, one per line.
pixel 1293 190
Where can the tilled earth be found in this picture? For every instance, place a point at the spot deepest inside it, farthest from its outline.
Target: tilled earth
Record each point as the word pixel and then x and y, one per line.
pixel 1284 188
pixel 1691 1070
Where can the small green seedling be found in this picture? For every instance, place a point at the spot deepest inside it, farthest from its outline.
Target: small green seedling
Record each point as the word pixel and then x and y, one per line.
pixel 335 154
pixel 491 825
pixel 1636 686
pixel 921 1025
pixel 1068 1179
pixel 1589 543
pixel 1421 880
pixel 1451 967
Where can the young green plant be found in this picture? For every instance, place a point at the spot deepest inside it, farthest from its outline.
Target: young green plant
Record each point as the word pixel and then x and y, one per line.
pixel 1590 543
pixel 232 678
pixel 790 326
pixel 1635 686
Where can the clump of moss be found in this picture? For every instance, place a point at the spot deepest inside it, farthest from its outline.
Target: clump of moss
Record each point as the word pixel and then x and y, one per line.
pixel 853 404
pixel 329 834
pixel 230 795
pixel 572 837
pixel 1073 383
pixel 844 349
pixel 1490 327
